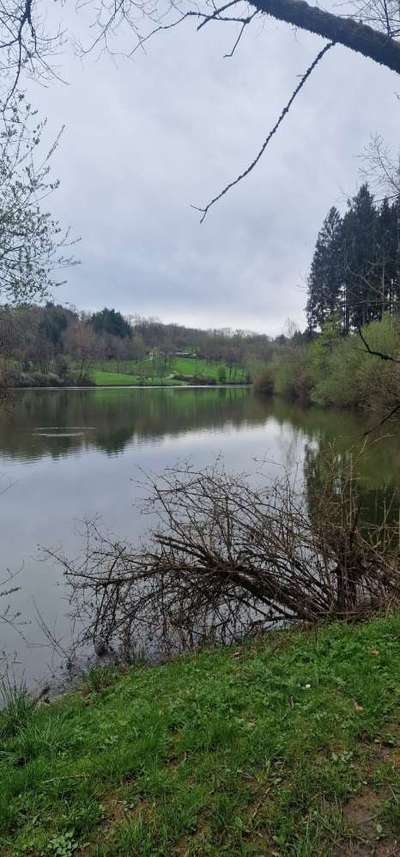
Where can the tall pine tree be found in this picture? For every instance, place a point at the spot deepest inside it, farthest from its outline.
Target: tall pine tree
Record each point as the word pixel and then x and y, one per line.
pixel 325 279
pixel 355 271
pixel 359 249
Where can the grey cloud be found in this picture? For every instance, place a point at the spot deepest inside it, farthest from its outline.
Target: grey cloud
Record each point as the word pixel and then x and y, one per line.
pixel 148 137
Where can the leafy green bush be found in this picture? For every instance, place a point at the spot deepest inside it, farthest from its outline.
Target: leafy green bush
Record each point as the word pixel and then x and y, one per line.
pixel 338 370
pixel 292 374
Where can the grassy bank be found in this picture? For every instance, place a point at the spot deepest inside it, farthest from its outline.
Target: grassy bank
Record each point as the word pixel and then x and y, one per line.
pixel 102 378
pixel 177 370
pixel 143 373
pixel 286 746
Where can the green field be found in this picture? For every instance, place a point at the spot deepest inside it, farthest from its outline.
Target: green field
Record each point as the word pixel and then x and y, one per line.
pixel 177 370
pixel 121 379
pixel 285 747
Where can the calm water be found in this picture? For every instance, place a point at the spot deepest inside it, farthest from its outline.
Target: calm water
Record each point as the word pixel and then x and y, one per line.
pixel 69 455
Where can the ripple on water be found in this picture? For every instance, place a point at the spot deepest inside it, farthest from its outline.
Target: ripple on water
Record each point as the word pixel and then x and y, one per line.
pixel 61 431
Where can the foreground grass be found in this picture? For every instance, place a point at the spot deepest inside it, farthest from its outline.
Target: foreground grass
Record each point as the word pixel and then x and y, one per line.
pixel 286 746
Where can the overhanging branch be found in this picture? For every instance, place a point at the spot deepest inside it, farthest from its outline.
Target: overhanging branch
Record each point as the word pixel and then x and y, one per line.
pixel 374 353
pixel 344 31
pixel 204 211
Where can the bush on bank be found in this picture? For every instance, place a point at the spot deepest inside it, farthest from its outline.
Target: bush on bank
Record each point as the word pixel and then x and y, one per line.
pixel 337 370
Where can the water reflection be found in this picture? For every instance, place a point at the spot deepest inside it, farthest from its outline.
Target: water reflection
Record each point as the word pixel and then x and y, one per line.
pixel 58 423
pixel 67 455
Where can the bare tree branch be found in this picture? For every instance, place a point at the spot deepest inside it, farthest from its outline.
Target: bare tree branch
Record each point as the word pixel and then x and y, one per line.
pixel 24 46
pixel 355 35
pixel 381 167
pixel 226 559
pixel 285 111
pixel 245 23
pixel 378 42
pixel 380 354
pixel 384 420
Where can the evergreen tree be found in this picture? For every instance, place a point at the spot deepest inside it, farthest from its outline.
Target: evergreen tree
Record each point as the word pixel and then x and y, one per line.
pixel 359 249
pixel 112 322
pixel 325 279
pixel 387 252
pixel 355 271
pixel 395 285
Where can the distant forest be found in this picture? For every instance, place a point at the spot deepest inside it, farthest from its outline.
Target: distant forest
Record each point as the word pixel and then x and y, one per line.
pixel 58 344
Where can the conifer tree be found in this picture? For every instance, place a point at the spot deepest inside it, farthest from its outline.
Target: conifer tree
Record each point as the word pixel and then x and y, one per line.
pixel 387 253
pixel 360 269
pixel 355 272
pixel 325 279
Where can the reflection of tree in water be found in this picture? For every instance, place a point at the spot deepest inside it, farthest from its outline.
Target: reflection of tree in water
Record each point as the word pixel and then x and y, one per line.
pixel 59 422
pixel 374 497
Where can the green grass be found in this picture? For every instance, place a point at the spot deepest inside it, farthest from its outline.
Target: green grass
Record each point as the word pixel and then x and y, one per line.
pixel 207 368
pixel 130 372
pixel 288 746
pixel 121 379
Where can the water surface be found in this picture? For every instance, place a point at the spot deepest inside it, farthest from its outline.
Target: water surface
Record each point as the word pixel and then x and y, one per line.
pixel 71 455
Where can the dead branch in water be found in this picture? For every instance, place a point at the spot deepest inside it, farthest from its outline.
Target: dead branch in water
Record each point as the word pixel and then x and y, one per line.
pixel 226 558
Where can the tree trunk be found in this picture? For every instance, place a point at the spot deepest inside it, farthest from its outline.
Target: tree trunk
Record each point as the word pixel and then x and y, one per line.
pixel 352 34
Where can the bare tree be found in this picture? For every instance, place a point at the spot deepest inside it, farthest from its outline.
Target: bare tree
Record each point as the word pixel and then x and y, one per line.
pixel 7 589
pixel 372 28
pixel 227 558
pixel 382 168
pixel 25 46
pixel 82 344
pixel 369 27
pixel 143 19
pixel 9 615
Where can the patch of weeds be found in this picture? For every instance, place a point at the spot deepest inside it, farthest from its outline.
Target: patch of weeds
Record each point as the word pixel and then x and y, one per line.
pixel 16 706
pixel 391 813
pixel 62 845
pixel 100 678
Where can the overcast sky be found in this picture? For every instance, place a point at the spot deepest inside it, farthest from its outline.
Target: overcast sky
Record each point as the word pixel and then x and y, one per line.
pixel 147 137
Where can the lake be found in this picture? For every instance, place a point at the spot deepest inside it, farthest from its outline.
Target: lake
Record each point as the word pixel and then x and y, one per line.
pixel 71 455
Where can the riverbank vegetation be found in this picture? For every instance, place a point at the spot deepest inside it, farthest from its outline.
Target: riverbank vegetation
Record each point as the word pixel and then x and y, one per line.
pixel 336 370
pixel 286 746
pixel 353 309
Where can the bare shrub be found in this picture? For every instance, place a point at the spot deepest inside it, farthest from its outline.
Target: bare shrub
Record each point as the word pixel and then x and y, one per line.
pixel 265 381
pixel 226 557
pixel 9 615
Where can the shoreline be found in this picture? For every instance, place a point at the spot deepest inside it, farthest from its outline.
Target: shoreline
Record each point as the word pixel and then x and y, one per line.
pixel 138 387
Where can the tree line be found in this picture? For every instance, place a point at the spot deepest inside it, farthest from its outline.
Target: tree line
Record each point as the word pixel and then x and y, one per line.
pixel 355 271
pixel 58 344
